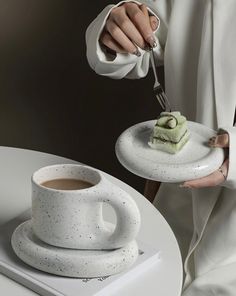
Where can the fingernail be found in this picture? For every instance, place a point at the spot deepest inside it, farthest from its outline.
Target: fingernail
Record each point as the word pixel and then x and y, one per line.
pixel 154 25
pixel 212 141
pixel 137 53
pixel 151 40
pixel 147 47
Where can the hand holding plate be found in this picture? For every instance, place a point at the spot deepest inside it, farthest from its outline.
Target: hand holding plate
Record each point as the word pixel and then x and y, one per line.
pixel 218 176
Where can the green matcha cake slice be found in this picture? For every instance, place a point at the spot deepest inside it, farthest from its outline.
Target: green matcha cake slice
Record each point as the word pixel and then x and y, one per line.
pixel 170 132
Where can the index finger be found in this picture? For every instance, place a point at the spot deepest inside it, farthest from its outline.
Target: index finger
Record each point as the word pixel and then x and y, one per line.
pixel 141 22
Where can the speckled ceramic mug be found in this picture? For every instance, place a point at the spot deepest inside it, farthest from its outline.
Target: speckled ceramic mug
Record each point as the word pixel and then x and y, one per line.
pixel 73 218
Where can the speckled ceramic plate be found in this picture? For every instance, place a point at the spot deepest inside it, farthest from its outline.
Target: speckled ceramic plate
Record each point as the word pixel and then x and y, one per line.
pixel 195 160
pixel 71 262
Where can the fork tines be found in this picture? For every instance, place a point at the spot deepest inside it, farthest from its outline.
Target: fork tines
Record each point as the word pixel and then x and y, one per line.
pixel 162 98
pixel 158 90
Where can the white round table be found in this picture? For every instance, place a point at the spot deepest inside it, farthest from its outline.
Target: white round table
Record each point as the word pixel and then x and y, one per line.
pixel 16 168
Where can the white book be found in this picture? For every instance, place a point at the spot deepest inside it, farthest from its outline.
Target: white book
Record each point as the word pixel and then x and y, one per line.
pixel 51 285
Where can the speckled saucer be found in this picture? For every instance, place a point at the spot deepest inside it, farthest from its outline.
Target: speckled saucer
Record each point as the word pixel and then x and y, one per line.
pixel 70 262
pixel 195 160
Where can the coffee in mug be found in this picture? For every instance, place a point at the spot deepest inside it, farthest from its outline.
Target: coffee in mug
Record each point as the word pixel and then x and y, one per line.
pixel 67 184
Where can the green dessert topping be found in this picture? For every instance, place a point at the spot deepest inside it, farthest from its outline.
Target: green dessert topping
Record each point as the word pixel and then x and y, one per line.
pixel 167 120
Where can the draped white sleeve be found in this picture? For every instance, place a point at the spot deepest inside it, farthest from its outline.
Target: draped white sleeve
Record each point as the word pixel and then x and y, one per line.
pixel 124 65
pixel 224 41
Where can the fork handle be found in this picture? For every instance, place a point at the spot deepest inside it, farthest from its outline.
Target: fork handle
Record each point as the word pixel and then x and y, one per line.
pixel 152 58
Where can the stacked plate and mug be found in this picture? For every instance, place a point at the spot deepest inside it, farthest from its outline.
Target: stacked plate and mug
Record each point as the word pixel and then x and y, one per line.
pixel 67 234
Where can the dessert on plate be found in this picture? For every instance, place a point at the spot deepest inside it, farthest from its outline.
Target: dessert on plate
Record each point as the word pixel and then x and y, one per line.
pixel 170 132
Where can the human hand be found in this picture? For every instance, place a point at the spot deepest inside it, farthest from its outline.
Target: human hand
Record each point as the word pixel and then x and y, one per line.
pixel 128 26
pixel 218 176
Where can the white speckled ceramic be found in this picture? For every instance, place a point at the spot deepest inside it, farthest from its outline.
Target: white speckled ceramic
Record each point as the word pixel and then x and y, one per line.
pixel 73 218
pixel 195 160
pixel 70 262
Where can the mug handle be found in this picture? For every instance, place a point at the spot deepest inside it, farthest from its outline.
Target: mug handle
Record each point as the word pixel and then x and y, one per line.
pixel 127 214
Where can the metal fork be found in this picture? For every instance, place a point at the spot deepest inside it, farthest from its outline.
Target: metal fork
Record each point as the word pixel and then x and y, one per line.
pixel 158 90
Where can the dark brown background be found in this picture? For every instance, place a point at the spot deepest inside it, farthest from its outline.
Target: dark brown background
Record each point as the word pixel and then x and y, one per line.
pixel 50 100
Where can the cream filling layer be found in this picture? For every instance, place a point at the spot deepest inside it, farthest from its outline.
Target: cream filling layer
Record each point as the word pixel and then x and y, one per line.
pixel 169 141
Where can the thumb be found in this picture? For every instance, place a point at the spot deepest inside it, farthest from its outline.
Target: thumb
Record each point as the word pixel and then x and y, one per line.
pixel 153 22
pixel 219 141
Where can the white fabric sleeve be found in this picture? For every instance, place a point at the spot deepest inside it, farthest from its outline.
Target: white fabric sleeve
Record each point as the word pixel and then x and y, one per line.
pixel 123 65
pixel 230 181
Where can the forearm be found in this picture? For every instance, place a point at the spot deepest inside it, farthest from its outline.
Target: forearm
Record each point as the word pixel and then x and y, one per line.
pixel 150 190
